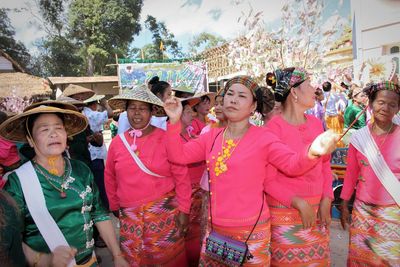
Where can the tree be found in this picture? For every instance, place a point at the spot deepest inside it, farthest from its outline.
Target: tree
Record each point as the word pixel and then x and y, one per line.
pixel 102 28
pixel 8 44
pixel 204 41
pixel 163 39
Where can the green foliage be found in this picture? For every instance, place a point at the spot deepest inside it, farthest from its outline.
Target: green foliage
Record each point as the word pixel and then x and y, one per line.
pixel 160 34
pixel 204 41
pixel 8 44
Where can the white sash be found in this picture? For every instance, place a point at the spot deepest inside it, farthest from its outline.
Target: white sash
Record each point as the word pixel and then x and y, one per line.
pixel 363 142
pixel 137 159
pixel 36 203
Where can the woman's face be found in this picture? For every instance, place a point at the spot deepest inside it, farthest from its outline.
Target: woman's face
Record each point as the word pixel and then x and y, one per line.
pixel 306 94
pixel 139 114
pixel 238 103
pixel 49 135
pixel 385 106
pixel 187 116
pixel 360 98
pixel 167 94
pixel 203 107
pixel 218 108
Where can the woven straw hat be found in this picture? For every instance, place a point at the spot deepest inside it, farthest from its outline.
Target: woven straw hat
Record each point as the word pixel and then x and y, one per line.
pixel 211 96
pixel 139 93
pixel 53 103
pixel 74 89
pixel 94 98
pixel 14 129
pixel 70 100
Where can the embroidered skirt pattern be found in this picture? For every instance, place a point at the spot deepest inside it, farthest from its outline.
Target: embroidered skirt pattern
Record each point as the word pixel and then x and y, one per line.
pixel 291 245
pixel 374 235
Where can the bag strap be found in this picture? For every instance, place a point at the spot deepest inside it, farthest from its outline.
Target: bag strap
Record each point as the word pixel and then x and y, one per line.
pixel 137 159
pixel 36 204
pixel 363 142
pixel 209 197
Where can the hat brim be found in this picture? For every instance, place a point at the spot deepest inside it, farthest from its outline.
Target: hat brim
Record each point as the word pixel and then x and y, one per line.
pixel 94 98
pixel 211 96
pixel 14 129
pixel 142 95
pixel 53 103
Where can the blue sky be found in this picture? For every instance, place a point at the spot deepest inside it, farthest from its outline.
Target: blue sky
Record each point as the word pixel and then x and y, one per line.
pixel 184 18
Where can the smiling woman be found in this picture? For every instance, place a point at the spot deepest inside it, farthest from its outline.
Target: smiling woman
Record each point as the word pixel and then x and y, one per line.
pixel 57 197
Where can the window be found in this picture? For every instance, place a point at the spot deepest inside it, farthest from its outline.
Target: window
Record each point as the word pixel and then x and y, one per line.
pixel 394 50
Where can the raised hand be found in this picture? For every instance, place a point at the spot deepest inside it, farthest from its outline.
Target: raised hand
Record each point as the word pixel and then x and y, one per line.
pixel 173 108
pixel 324 144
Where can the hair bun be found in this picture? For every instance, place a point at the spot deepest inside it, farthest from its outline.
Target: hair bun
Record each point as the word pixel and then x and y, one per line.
pixel 154 80
pixel 271 79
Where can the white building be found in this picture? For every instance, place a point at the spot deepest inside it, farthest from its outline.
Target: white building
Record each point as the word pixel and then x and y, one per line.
pixel 376 32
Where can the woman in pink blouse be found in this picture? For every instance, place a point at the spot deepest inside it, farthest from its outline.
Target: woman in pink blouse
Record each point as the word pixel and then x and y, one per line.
pixel 299 220
pixel 236 157
pixel 373 169
pixel 151 194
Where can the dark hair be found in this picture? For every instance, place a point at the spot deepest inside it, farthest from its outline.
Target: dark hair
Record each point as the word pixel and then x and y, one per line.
pixel 326 86
pixel 31 120
pixel 158 87
pixel 372 96
pixel 204 98
pixel 3 117
pixel 345 86
pixel 271 80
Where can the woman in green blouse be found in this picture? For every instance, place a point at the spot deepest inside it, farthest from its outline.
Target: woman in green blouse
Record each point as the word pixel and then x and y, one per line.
pixel 58 200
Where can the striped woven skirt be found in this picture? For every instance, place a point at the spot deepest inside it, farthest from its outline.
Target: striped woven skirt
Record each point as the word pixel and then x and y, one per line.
pixel 374 235
pixel 192 238
pixel 258 244
pixel 291 245
pixel 149 235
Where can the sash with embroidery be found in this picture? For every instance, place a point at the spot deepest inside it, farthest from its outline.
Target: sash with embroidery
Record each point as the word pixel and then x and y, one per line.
pixel 362 140
pixel 36 204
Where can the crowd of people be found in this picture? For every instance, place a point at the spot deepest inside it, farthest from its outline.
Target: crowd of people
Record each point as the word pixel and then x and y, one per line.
pixel 237 177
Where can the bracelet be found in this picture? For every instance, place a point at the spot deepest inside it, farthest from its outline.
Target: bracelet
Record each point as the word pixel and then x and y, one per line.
pixel 37 259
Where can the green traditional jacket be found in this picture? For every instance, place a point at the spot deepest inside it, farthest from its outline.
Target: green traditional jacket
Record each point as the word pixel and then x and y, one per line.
pixel 350 114
pixel 75 214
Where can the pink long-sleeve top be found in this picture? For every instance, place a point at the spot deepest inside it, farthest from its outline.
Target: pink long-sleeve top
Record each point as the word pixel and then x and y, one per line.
pixel 360 175
pixel 317 181
pixel 236 195
pixel 196 169
pixel 128 186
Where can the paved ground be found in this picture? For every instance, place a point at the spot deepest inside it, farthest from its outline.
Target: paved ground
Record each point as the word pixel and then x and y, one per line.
pixel 339 245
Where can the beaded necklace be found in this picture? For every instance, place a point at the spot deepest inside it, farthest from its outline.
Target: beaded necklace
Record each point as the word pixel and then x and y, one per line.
pixel 227 147
pixel 67 173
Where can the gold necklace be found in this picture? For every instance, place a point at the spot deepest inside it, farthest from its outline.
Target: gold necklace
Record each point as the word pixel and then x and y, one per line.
pixel 67 173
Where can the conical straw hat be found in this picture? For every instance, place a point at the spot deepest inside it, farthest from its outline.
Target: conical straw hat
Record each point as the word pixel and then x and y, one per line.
pixel 14 129
pixel 74 89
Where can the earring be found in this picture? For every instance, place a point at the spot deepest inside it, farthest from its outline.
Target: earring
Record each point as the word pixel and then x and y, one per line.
pixel 295 99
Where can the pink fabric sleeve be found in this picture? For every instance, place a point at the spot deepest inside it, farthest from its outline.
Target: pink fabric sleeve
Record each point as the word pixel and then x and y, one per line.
pixel 110 180
pixel 286 160
pixel 351 176
pixel 275 189
pixel 328 177
pixel 183 188
pixel 190 152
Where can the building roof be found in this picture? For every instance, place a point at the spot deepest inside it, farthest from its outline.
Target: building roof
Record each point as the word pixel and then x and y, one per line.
pixel 22 85
pixel 15 64
pixel 80 80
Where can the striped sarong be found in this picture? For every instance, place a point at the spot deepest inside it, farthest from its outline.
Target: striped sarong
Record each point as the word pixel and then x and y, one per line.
pixel 293 246
pixel 259 243
pixel 192 238
pixel 149 235
pixel 374 235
